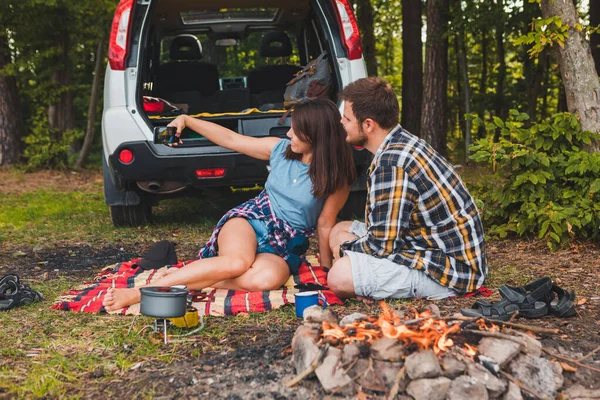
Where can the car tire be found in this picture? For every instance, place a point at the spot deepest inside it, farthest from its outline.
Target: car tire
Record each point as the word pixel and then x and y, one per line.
pixel 355 206
pixel 131 215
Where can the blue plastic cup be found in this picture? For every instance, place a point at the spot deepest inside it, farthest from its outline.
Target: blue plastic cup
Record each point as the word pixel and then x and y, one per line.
pixel 307 299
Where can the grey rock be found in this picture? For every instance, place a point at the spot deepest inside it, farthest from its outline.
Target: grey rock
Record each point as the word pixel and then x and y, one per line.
pixel 499 350
pixel 466 387
pixel 433 310
pixel 350 319
pixel 578 392
pixel 539 374
pixel 533 347
pixel 452 366
pixel 350 353
pixel 429 389
pixel 315 314
pixel 330 375
pixel 513 392
pixel 304 348
pixel 423 364
pixel 376 375
pixel 495 386
pixel 387 349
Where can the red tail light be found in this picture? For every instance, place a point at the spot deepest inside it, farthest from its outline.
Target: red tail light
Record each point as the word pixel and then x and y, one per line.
pixel 126 156
pixel 210 173
pixel 119 35
pixel 348 29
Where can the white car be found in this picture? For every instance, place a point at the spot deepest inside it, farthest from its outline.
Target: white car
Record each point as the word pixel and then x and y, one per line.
pixel 226 61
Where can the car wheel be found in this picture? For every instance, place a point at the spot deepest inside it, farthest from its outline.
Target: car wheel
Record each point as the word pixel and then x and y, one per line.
pixel 355 206
pixel 130 215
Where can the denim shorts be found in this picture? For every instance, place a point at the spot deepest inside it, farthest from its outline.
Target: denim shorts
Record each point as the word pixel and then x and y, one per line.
pixel 262 236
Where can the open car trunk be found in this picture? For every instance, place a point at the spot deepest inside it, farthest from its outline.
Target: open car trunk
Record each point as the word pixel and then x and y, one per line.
pixel 228 61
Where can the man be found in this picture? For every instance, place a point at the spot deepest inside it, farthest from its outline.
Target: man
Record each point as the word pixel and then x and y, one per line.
pixel 423 236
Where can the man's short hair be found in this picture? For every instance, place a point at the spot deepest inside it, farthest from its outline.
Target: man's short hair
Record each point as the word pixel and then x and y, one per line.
pixel 373 98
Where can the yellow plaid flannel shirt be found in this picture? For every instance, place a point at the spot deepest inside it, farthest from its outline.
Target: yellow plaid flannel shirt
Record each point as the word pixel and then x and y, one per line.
pixel 419 214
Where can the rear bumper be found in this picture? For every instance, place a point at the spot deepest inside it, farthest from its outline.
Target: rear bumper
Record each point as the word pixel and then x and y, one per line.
pixel 147 165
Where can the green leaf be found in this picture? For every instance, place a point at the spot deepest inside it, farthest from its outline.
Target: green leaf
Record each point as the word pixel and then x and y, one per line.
pixel 499 123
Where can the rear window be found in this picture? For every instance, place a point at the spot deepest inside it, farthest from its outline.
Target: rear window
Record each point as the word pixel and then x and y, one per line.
pixel 235 60
pixel 227 15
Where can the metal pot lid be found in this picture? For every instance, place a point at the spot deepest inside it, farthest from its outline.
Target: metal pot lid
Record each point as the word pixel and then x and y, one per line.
pixel 163 291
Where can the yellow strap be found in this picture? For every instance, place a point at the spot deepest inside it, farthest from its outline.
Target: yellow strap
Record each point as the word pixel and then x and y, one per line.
pixel 233 114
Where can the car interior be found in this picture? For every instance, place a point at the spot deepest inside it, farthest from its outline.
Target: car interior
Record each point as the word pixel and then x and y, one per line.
pixel 214 60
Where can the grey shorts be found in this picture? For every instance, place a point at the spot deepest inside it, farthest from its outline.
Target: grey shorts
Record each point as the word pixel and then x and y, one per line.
pixel 380 278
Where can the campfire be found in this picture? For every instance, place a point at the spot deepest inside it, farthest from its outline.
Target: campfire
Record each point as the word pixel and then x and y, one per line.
pixel 424 356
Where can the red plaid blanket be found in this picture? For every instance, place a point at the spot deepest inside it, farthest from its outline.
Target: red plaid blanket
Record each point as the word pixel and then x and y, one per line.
pixel 89 296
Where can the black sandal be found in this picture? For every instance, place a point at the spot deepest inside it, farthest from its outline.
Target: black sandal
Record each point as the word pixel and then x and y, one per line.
pixel 502 310
pixel 8 282
pixel 565 302
pixel 14 294
pixel 530 304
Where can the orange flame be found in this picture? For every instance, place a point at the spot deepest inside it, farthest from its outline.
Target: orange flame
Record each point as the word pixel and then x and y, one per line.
pixel 423 331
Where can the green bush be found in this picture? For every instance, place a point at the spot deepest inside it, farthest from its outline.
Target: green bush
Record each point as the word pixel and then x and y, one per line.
pixel 546 183
pixel 47 148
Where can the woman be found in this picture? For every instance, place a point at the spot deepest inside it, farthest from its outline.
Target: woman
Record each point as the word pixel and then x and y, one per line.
pixel 251 248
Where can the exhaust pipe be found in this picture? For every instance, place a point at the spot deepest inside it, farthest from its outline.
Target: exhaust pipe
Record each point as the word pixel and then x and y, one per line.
pixel 154 186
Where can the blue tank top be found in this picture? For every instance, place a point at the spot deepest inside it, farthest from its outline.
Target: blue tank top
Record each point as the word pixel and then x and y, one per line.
pixel 290 190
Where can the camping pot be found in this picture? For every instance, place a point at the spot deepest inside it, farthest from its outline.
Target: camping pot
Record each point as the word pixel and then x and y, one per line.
pixel 163 301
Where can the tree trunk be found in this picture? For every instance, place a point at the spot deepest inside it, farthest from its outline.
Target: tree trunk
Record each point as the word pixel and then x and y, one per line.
pixel 61 115
pixel 412 65
pixel 389 51
pixel 577 69
pixel 91 120
pixel 462 59
pixel 534 76
pixel 365 24
pixel 11 145
pixel 435 93
pixel 501 59
pixel 483 82
pixel 595 38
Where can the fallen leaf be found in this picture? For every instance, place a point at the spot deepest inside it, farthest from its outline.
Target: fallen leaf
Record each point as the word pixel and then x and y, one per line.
pixel 362 396
pixel 582 301
pixel 253 338
pixel 564 336
pixel 568 367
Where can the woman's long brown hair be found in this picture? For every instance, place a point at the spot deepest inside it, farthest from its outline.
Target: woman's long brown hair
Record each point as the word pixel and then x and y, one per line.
pixel 317 122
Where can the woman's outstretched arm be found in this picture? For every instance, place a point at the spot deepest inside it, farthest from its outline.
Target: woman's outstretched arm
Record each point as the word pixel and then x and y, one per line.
pixel 260 148
pixel 327 220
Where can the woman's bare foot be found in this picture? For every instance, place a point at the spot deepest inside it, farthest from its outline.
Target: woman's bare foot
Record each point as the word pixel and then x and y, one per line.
pixel 115 299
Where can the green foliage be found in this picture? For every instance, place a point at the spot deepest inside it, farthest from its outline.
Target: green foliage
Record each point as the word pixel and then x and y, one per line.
pixel 46 147
pixel 547 184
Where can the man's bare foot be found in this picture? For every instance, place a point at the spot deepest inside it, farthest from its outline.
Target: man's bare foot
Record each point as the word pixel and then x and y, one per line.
pixel 115 299
pixel 366 300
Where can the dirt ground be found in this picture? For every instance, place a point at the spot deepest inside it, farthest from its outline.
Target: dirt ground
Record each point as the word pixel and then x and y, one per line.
pixel 258 368
pixel 255 363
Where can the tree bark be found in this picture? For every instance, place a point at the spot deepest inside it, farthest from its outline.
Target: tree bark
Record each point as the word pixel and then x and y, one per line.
pixel 91 120
pixel 11 145
pixel 462 59
pixel 501 59
pixel 483 82
pixel 366 24
pixel 61 113
pixel 435 92
pixel 595 38
pixel 577 69
pixel 534 77
pixel 412 65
